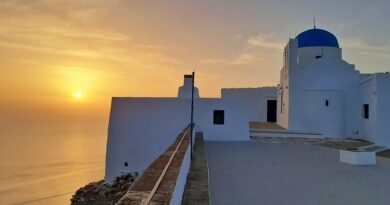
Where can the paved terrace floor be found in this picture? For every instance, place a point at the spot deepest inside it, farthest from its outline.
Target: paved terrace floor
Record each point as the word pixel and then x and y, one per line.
pixel 295 174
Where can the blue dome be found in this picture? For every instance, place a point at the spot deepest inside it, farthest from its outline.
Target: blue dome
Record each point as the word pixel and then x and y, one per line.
pixel 317 37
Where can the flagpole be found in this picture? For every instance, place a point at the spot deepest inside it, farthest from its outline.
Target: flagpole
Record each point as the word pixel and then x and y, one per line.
pixel 192 110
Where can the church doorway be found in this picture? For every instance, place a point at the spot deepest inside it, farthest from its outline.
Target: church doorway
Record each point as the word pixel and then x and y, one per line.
pixel 271 110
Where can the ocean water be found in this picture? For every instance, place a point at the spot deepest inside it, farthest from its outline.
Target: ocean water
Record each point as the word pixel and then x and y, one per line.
pixel 45 163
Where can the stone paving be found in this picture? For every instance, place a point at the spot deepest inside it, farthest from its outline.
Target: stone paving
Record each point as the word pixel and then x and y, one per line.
pixel 258 172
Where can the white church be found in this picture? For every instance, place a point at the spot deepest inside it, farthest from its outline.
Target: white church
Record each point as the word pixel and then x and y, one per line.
pixel 319 93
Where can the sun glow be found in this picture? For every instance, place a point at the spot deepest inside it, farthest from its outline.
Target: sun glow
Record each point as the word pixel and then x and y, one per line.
pixel 78 95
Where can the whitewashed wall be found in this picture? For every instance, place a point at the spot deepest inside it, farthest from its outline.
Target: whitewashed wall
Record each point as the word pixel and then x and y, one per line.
pixel 374 91
pixel 383 96
pixel 253 99
pixel 185 91
pixel 140 129
pixel 368 129
pixel 181 180
pixel 319 118
pixel 287 86
pixel 236 126
pixel 336 81
pixel 308 55
pixel 307 82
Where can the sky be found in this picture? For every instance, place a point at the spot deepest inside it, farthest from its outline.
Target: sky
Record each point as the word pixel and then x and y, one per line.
pixel 64 59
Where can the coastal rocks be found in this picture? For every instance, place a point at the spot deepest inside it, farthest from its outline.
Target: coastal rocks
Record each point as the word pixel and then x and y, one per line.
pixel 98 193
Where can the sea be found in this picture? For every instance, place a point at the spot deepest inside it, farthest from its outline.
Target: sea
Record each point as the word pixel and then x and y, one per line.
pixel 45 163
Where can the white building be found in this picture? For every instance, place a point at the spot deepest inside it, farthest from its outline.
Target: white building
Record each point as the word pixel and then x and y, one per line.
pixel 319 92
pixel 322 93
pixel 140 129
pixel 261 102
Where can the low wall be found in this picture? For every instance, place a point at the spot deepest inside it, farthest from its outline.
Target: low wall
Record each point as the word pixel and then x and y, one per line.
pixel 140 129
pixel 147 126
pixel 181 179
pixel 164 180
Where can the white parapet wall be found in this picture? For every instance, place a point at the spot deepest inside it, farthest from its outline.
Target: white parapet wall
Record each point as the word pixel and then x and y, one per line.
pixel 181 179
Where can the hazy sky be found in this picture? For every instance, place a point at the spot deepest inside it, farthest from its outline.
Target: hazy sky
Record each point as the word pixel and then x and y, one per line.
pixel 51 49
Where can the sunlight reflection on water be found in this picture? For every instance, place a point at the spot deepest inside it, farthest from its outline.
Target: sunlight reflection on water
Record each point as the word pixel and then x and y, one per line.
pixel 47 165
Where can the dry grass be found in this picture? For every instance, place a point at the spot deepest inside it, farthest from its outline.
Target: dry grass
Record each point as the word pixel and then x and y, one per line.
pixel 385 153
pixel 347 144
pixel 344 144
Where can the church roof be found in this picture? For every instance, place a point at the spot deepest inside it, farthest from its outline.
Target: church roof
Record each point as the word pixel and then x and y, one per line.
pixel 317 37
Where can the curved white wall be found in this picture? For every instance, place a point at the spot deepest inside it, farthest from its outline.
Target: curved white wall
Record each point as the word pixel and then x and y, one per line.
pixel 319 118
pixel 307 55
pixel 307 81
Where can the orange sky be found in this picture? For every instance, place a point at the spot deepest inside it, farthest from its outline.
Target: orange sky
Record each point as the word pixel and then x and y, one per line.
pixel 51 49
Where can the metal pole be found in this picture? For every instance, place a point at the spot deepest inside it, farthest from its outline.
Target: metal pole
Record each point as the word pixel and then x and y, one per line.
pixel 192 110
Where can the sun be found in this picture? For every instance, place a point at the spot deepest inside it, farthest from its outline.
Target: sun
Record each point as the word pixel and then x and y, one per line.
pixel 78 95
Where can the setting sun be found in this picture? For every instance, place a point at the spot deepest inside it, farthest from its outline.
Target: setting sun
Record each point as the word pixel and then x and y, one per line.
pixel 78 95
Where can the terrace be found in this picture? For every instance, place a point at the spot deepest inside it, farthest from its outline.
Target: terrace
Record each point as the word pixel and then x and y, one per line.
pixel 256 172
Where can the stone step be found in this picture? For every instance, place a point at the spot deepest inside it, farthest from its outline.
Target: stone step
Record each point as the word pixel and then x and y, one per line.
pixel 285 134
pixel 267 130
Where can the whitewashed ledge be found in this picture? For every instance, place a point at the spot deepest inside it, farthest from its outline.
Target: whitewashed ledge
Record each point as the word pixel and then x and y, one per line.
pixel 358 157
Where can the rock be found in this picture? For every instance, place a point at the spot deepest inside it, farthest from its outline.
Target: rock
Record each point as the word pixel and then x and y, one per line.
pixel 102 193
pixel 99 193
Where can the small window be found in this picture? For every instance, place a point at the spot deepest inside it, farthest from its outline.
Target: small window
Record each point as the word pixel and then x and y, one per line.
pixel 366 111
pixel 126 164
pixel 219 117
pixel 327 103
pixel 317 57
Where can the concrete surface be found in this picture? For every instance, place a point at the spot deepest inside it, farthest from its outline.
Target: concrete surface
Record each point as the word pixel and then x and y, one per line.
pixel 295 174
pixel 197 186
